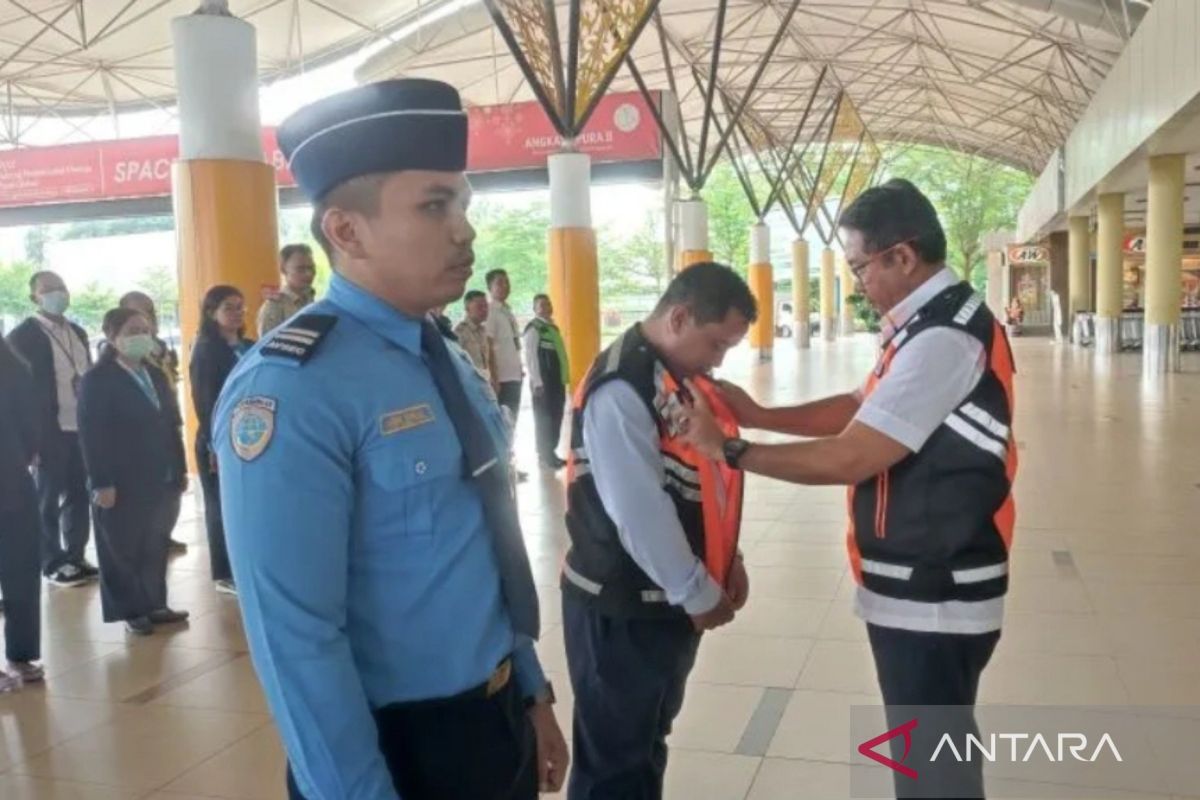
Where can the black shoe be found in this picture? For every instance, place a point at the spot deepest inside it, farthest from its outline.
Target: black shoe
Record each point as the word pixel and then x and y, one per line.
pixel 68 575
pixel 168 616
pixel 140 626
pixel 176 547
pixel 89 571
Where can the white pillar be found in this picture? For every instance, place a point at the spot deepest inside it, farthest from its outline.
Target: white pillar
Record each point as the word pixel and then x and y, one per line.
pixel 573 274
pixel 216 75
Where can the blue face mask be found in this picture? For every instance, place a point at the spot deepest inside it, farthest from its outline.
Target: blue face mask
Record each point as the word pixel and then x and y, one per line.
pixel 54 302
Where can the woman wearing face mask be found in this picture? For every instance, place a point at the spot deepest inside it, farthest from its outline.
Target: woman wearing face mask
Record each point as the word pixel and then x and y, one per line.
pixel 130 428
pixel 219 344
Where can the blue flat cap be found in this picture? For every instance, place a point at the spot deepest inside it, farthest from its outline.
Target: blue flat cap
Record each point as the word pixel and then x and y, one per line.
pixel 390 126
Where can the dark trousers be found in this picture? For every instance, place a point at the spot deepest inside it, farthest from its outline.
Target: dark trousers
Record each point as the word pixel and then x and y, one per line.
pixel 131 543
pixel 628 676
pixel 62 500
pixel 548 415
pixel 21 576
pixel 510 397
pixel 214 526
pixel 476 748
pixel 938 671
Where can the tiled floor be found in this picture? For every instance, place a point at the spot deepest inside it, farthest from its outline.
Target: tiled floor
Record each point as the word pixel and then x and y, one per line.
pixel 1105 609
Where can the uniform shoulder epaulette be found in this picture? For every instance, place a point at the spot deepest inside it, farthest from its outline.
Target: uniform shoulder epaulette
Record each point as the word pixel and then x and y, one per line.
pixel 298 340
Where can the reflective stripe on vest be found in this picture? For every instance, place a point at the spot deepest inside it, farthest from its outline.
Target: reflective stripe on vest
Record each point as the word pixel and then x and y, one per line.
pixel 969 421
pixel 713 485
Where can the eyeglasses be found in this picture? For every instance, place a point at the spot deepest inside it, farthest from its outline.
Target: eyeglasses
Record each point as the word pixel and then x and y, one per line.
pixel 858 269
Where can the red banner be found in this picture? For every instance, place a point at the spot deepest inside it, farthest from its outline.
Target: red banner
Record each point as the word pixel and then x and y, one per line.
pixel 517 136
pixel 520 136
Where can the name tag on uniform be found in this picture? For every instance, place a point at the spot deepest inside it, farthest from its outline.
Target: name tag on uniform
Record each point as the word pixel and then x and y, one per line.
pixel 405 419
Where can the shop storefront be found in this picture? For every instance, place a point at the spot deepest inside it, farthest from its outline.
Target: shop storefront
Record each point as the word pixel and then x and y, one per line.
pixel 1134 270
pixel 1029 276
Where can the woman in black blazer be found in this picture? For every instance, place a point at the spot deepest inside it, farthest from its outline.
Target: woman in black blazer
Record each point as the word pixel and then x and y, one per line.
pixel 131 432
pixel 20 534
pixel 219 344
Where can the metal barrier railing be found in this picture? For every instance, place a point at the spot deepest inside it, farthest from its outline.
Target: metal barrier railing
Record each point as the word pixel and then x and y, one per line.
pixel 1132 329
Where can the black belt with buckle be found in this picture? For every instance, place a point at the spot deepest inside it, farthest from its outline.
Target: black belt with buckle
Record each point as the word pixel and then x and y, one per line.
pixel 496 683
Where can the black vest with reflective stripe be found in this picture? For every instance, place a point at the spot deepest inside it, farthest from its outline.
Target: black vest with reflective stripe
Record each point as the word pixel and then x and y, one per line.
pixel 932 528
pixel 549 366
pixel 597 567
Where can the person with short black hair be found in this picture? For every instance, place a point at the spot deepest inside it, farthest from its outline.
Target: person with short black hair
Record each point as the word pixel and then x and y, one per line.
pixel 506 341
pixel 654 524
pixel 20 532
pixel 299 270
pixel 473 336
pixel 549 372
pixel 220 343
pixel 927 449
pixel 132 437
pixel 58 355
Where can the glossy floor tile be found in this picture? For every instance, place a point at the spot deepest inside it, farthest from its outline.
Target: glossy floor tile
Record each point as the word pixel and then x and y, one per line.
pixel 1104 609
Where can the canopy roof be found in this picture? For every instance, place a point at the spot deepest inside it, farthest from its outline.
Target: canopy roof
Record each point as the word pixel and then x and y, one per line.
pixel 1002 78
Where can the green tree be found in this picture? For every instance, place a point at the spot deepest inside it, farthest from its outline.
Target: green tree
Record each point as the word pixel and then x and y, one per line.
pixel 632 264
pixel 90 304
pixel 973 196
pixel 122 226
pixel 512 238
pixel 36 239
pixel 14 288
pixel 729 217
pixel 161 284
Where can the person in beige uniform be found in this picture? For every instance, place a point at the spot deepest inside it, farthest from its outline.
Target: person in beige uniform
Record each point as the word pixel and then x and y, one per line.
pixel 298 269
pixel 473 336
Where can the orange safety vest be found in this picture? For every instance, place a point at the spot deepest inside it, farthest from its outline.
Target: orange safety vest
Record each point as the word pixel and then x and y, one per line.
pixel 938 525
pixel 707 494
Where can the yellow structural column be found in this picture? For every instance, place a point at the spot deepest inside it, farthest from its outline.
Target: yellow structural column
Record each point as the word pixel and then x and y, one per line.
pixel 1164 264
pixel 1110 266
pixel 1079 268
pixel 828 295
pixel 223 189
pixel 801 327
pixel 846 281
pixel 574 274
pixel 762 284
pixel 693 232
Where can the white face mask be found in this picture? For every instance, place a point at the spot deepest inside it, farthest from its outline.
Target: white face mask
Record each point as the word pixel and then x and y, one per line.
pixel 54 302
pixel 135 347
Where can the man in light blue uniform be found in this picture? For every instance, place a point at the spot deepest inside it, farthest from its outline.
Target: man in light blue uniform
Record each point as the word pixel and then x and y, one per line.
pixel 388 602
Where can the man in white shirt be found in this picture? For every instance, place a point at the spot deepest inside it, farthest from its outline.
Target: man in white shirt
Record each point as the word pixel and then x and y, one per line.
pixel 926 446
pixel 506 341
pixel 58 355
pixel 654 526
pixel 549 372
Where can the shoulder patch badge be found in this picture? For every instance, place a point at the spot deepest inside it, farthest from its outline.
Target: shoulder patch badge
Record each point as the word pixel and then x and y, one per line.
pixel 252 427
pixel 405 419
pixel 299 340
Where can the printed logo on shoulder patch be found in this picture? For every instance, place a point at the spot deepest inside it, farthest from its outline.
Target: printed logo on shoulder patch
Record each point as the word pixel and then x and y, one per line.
pixel 252 427
pixel 405 419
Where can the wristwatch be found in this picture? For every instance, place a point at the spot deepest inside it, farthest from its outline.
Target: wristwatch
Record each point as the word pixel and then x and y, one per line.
pixel 543 695
pixel 733 450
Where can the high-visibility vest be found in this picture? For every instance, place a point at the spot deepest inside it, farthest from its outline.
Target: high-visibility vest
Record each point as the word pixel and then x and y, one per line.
pixel 938 525
pixel 707 494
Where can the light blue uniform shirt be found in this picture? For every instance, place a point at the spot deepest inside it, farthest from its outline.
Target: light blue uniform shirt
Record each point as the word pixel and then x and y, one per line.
pixel 364 569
